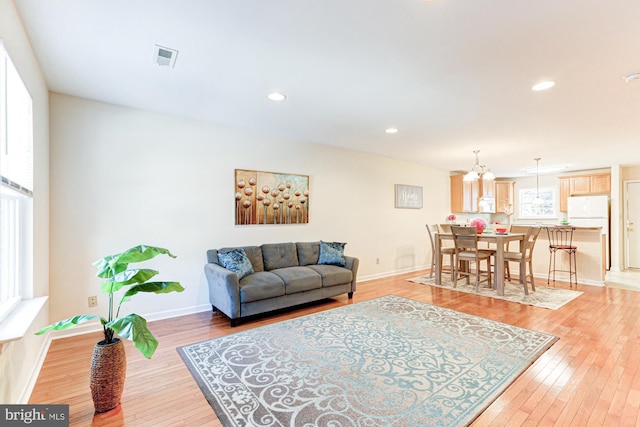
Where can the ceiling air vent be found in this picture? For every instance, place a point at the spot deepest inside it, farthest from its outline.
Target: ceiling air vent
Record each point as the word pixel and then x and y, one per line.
pixel 164 56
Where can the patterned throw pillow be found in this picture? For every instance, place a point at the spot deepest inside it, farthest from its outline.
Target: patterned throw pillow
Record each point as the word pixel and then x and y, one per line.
pixel 236 260
pixel 332 253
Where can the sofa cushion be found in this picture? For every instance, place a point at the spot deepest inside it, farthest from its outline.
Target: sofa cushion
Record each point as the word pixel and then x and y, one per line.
pixel 236 260
pixel 261 285
pixel 332 274
pixel 279 255
pixel 254 253
pixel 332 253
pixel 298 279
pixel 308 252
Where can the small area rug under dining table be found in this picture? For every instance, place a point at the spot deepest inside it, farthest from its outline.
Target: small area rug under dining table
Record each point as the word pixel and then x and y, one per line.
pixel 389 361
pixel 543 296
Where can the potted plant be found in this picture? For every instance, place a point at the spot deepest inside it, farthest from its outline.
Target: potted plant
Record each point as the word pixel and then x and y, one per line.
pixel 108 364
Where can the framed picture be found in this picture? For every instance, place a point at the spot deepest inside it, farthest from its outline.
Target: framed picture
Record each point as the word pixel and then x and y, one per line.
pixel 270 198
pixel 408 196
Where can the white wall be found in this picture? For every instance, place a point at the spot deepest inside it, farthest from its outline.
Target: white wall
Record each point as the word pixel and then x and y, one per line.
pixel 120 177
pixel 18 359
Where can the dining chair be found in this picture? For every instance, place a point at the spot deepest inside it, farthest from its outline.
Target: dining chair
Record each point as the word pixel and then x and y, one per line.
pixel 465 240
pixel 524 257
pixel 561 240
pixel 446 228
pixel 432 230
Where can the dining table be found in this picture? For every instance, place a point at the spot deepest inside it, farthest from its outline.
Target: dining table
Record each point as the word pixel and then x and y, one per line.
pixel 501 241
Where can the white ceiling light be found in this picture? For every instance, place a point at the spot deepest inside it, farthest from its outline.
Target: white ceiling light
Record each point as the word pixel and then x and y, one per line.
pixel 488 175
pixel 477 170
pixel 164 56
pixel 543 85
pixel 391 130
pixel 276 96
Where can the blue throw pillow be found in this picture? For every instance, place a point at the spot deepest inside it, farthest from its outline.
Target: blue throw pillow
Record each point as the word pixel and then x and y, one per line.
pixel 236 260
pixel 332 253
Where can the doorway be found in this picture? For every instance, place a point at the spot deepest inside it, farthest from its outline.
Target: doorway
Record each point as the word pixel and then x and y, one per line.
pixel 632 220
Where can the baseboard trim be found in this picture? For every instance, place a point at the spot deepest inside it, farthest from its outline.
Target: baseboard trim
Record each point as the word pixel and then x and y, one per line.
pixel 24 397
pixel 87 328
pixel 390 273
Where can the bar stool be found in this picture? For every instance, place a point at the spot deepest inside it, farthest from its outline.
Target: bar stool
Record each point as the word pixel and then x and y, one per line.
pixel 561 240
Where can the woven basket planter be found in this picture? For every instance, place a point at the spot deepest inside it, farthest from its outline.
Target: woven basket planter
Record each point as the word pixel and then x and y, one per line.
pixel 108 371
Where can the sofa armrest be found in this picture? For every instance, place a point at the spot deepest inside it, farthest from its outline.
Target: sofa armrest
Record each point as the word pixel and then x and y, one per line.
pixel 224 289
pixel 352 264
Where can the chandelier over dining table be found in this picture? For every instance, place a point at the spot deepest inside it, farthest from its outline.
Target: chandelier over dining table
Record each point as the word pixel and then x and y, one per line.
pixel 477 171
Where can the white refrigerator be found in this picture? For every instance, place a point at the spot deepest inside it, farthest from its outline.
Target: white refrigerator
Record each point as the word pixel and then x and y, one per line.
pixel 591 211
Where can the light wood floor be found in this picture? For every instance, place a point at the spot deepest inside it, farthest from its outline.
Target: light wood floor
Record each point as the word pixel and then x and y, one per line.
pixel 590 377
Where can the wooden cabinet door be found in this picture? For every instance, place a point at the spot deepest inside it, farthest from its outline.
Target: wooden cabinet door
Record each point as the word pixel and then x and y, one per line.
pixel 504 194
pixel 580 184
pixel 600 183
pixel 457 193
pixel 471 192
pixel 488 188
pixel 565 192
pixel 464 195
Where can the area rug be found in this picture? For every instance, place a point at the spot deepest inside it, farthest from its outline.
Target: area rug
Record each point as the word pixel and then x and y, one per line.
pixel 390 361
pixel 544 296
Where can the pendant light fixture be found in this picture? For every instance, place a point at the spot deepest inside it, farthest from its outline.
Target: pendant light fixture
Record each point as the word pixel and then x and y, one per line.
pixel 538 200
pixel 473 175
pixel 488 175
pixel 477 171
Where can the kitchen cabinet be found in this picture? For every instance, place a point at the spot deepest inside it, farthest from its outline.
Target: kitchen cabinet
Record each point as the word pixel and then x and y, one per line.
pixel 600 183
pixel 579 185
pixel 504 194
pixel 583 185
pixel 464 194
pixel 487 188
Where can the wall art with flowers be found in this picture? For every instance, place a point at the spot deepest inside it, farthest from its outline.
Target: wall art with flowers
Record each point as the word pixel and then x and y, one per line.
pixel 271 198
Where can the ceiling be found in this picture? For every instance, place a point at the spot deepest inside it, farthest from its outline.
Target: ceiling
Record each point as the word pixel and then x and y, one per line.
pixel 453 76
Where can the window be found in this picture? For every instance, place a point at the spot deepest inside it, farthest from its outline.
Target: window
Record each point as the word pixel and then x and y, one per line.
pixel 529 209
pixel 16 183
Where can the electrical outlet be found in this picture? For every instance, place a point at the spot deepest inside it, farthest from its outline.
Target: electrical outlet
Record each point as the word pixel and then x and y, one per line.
pixel 93 301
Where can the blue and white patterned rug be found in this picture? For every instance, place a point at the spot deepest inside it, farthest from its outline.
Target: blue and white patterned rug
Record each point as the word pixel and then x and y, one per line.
pixel 390 361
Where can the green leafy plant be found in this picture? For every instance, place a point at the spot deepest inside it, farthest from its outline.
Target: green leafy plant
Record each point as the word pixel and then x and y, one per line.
pixel 115 269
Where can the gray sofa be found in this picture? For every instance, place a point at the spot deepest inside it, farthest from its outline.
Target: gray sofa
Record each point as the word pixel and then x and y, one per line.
pixel 285 275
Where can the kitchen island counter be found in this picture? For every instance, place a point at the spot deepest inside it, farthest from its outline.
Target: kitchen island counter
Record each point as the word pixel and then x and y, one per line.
pixel 591 256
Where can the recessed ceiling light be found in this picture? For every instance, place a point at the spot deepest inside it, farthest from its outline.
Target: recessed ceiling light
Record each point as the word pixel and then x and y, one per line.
pixel 275 96
pixel 391 130
pixel 543 85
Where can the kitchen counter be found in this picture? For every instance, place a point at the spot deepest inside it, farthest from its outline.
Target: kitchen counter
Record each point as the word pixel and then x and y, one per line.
pixel 591 256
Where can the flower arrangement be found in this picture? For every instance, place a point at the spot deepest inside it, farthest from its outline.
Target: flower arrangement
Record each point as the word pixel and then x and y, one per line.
pixel 479 223
pixel 451 218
